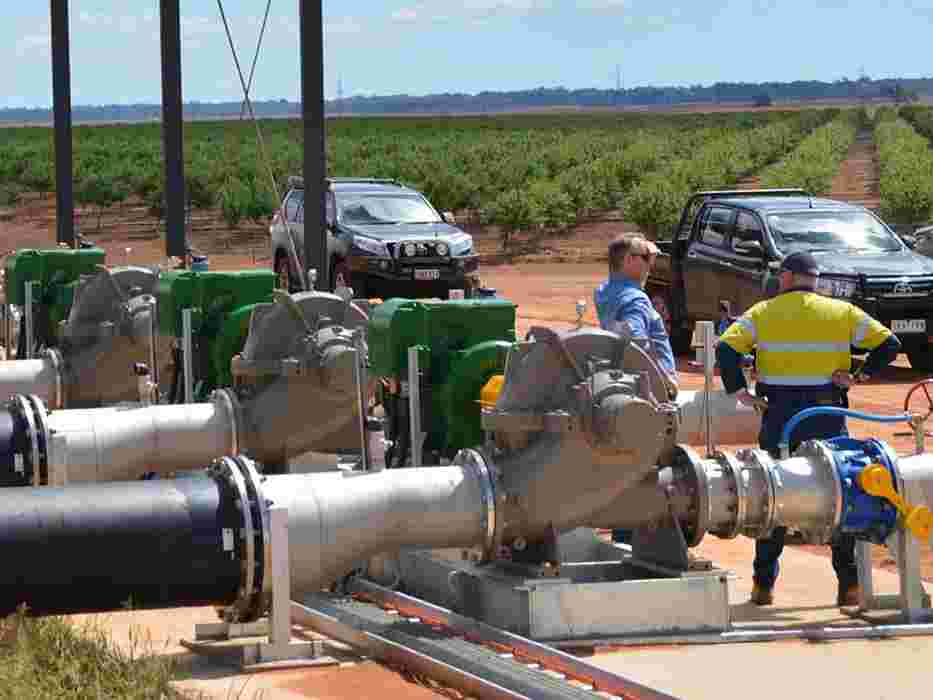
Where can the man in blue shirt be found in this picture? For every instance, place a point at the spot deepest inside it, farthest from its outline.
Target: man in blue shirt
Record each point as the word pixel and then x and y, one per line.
pixel 623 305
pixel 621 299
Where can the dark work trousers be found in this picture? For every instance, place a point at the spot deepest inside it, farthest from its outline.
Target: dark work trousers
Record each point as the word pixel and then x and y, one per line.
pixel 783 404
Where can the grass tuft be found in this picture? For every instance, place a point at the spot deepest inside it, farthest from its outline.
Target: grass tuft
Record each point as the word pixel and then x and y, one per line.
pixel 45 658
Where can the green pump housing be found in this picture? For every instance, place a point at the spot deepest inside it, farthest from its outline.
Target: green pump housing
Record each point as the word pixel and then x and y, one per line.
pixel 58 272
pixel 222 304
pixel 461 345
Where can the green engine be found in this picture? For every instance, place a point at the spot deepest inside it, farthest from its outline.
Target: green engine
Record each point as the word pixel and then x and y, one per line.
pixel 222 304
pixel 55 274
pixel 461 345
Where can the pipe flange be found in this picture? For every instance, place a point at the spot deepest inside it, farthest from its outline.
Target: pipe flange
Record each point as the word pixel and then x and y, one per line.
pixel 819 452
pixel 58 365
pixel 254 480
pixel 477 461
pixel 22 404
pixel 226 399
pixel 762 462
pixel 684 456
pixel 243 607
pixel 44 436
pixel 732 464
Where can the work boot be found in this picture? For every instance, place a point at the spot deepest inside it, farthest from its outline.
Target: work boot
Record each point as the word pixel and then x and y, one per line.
pixel 761 595
pixel 848 597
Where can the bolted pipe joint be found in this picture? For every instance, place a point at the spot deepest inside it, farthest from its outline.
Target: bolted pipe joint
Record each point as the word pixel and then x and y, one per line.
pixel 818 491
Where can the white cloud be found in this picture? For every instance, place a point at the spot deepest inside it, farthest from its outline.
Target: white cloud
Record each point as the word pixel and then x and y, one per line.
pixel 29 45
pixel 447 11
pixel 343 26
pixel 200 26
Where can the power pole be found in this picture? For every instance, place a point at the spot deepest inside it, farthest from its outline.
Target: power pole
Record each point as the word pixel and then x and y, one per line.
pixel 339 95
pixel 61 87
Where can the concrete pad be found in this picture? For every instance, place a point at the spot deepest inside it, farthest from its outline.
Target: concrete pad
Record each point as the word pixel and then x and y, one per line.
pixel 805 595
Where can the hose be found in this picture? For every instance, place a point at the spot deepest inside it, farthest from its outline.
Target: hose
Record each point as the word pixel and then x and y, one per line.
pixel 833 411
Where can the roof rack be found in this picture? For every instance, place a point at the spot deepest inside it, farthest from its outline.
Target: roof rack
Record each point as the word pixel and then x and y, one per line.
pixel 779 192
pixel 297 182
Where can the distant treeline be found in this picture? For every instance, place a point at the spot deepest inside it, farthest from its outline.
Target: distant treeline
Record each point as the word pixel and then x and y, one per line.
pixel 757 94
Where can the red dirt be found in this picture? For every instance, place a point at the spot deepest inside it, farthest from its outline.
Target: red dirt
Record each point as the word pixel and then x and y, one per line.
pixel 857 181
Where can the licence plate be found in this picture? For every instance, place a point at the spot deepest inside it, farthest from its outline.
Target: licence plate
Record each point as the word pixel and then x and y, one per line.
pixel 914 325
pixel 427 274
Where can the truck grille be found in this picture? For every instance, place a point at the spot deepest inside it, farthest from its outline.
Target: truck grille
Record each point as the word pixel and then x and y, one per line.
pixel 898 287
pixel 423 250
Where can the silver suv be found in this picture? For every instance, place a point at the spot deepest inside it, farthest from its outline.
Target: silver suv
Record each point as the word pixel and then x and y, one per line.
pixel 383 240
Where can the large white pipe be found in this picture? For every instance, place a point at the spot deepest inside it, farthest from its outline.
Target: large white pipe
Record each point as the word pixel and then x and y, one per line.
pixel 37 377
pixel 113 444
pixel 733 423
pixel 336 520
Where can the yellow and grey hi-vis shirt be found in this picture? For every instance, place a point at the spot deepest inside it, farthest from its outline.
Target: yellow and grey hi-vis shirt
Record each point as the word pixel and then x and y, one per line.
pixel 802 337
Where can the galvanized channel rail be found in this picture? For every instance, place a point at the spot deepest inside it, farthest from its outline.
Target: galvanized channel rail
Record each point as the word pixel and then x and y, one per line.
pixel 460 652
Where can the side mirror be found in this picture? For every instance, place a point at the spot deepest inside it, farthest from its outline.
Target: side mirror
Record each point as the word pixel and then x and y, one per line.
pixel 751 247
pixel 448 217
pixel 909 241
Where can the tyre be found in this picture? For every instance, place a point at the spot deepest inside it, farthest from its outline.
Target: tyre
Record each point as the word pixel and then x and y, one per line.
pixel 283 271
pixel 680 337
pixel 921 358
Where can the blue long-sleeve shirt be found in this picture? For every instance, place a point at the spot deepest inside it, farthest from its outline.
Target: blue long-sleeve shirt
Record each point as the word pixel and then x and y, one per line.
pixel 619 300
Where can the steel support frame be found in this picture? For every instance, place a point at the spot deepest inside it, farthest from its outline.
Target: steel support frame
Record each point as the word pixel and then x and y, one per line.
pixel 280 651
pixel 176 244
pixel 61 101
pixel 311 25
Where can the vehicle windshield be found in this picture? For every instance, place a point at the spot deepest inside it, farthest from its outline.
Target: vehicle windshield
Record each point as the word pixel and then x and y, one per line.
pixel 367 209
pixel 834 230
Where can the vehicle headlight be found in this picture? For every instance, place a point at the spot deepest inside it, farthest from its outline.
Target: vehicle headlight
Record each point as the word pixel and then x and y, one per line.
pixel 371 246
pixel 410 250
pixel 461 244
pixel 442 249
pixel 836 287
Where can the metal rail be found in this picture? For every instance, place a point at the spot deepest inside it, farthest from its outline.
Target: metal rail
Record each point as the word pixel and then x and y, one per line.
pixel 463 653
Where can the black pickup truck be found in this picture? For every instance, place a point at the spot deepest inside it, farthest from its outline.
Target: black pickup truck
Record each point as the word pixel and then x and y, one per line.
pixel 727 249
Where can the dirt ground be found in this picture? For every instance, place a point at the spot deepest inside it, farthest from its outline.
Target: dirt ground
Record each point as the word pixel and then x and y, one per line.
pixel 545 277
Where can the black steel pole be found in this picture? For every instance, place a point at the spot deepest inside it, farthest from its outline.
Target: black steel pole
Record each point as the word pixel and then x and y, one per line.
pixel 172 136
pixel 312 112
pixel 61 89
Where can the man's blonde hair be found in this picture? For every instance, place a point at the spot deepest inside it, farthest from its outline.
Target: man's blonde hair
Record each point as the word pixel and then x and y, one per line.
pixel 629 244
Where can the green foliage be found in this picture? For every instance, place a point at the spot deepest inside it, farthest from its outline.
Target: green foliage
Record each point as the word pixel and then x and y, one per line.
pixel 815 163
pixel 47 658
pixel 517 171
pixel 905 170
pixel 654 204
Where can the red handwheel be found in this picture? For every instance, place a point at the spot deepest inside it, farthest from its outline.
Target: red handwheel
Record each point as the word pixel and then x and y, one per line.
pixel 924 385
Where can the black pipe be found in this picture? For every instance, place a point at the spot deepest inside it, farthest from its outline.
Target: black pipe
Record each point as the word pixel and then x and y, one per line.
pixel 15 449
pixel 311 23
pixel 61 89
pixel 97 547
pixel 172 135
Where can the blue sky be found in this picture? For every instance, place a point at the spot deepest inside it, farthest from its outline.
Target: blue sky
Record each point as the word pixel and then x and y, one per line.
pixel 428 46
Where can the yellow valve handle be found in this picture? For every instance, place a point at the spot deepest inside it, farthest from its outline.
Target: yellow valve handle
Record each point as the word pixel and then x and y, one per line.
pixel 876 481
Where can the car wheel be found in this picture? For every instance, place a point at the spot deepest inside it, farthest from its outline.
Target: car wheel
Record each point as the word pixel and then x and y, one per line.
pixel 921 358
pixel 284 273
